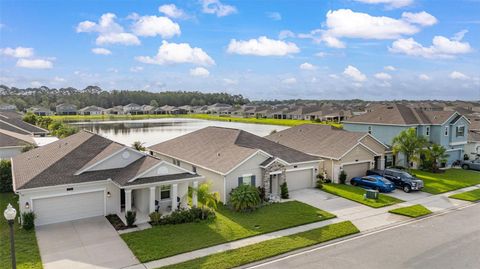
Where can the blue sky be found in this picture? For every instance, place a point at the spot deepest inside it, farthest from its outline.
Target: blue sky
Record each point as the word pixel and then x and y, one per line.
pixel 368 49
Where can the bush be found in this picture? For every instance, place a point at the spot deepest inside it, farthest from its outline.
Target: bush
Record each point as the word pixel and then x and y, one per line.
pixel 342 178
pixel 5 176
pixel 30 118
pixel 284 191
pixel 319 184
pixel 28 220
pixel 155 218
pixel 262 193
pixel 131 217
pixel 244 198
pixel 194 214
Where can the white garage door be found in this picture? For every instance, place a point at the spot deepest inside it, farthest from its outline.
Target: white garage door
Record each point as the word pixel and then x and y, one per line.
pixel 356 170
pixel 300 179
pixel 68 207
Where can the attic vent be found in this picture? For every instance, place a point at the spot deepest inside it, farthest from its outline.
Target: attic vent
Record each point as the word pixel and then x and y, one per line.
pixel 218 154
pixel 389 107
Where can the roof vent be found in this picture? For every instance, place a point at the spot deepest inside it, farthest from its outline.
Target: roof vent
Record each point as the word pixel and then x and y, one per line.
pixel 389 107
pixel 218 154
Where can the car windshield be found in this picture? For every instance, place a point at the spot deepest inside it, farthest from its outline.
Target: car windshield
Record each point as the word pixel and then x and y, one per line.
pixel 407 175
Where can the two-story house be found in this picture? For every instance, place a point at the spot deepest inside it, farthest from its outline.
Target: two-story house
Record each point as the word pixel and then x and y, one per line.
pixel 446 128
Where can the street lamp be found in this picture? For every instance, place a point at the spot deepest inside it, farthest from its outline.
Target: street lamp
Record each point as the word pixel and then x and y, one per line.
pixel 10 214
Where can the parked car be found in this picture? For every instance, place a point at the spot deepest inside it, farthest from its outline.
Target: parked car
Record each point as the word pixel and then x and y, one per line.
pixel 400 178
pixel 375 182
pixel 472 165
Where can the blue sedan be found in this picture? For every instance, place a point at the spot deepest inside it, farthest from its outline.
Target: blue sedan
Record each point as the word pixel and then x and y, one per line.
pixel 373 182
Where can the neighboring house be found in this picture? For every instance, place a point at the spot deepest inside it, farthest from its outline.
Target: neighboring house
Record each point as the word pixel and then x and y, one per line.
pixel 230 157
pixel 116 110
pixel 12 121
pixel 66 109
pixel 472 149
pixel 7 107
pixel 187 108
pixel 446 128
pixel 40 111
pixel 352 152
pixel 219 108
pixel 91 110
pixel 12 144
pixel 86 175
pixel 132 109
pixel 148 109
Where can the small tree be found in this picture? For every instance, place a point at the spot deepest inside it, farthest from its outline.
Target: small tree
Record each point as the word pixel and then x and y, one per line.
pixel 284 191
pixel 244 198
pixel 138 146
pixel 435 154
pixel 130 217
pixel 44 122
pixel 408 143
pixel 5 176
pixel 30 118
pixel 342 178
pixel 205 196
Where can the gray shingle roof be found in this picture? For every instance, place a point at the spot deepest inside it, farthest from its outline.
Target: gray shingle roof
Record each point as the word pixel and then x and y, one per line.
pixel 13 122
pixel 12 139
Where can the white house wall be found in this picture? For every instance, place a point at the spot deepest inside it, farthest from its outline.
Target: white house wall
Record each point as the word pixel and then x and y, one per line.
pixel 250 167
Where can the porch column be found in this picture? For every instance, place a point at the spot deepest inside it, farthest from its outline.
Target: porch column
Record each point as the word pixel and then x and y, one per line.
pixel 174 196
pixel 128 200
pixel 194 194
pixel 152 200
pixel 382 162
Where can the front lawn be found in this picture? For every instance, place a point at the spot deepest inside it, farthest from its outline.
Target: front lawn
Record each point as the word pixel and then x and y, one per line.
pixel 356 194
pixel 413 211
pixel 270 248
pixel 452 179
pixel 26 248
pixel 471 196
pixel 167 240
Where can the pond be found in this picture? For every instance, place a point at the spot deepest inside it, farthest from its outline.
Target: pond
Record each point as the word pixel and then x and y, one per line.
pixel 153 131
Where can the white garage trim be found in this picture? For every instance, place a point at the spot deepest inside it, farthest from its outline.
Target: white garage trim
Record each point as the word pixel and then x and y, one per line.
pixel 364 161
pixel 292 170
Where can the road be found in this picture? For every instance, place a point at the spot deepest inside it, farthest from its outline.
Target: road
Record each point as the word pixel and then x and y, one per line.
pixel 447 241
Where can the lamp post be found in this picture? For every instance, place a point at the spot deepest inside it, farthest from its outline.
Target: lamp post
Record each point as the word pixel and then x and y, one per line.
pixel 10 214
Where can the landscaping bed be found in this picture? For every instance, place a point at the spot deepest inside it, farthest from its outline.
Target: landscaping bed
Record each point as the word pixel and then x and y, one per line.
pixel 270 248
pixel 413 211
pixel 356 194
pixel 452 179
pixel 471 196
pixel 26 247
pixel 117 223
pixel 167 240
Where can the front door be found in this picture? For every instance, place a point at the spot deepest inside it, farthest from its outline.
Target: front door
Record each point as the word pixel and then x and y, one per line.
pixel 376 161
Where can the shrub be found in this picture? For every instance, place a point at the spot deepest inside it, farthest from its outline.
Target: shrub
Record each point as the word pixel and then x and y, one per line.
pixel 342 178
pixel 284 191
pixel 30 118
pixel 244 198
pixel 131 217
pixel 5 176
pixel 194 214
pixel 28 220
pixel 155 217
pixel 262 193
pixel 27 147
pixel 320 184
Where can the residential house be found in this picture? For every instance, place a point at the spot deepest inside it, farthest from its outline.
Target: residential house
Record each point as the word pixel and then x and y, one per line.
pixel 87 175
pixel 351 152
pixel 12 143
pixel 91 110
pixel 472 149
pixel 446 128
pixel 218 108
pixel 66 109
pixel 40 111
pixel 116 110
pixel 7 107
pixel 132 109
pixel 187 108
pixel 148 109
pixel 230 157
pixel 13 122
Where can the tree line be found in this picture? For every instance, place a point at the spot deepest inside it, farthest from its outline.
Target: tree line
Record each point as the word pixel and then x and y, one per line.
pixel 94 95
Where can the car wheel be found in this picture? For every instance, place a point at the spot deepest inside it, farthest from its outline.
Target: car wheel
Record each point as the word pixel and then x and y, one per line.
pixel 465 166
pixel 406 188
pixel 353 183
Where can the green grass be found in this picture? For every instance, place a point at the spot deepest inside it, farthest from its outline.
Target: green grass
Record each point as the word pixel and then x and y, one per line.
pixel 167 240
pixel 413 211
pixel 72 118
pixel 26 248
pixel 452 179
pixel 356 194
pixel 270 248
pixel 471 196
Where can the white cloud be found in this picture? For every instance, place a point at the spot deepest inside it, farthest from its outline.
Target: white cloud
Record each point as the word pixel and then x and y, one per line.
pixel 172 11
pixel 383 76
pixel 458 75
pixel 173 53
pixel 262 46
pixel 18 52
pixel 34 63
pixel 424 77
pixel 441 47
pixel 307 66
pixel 390 68
pixel 199 72
pixel 289 81
pixel 320 54
pixel 334 76
pixel 109 32
pixel 421 18
pixel 58 79
pixel 276 16
pixel 136 69
pixel 217 8
pixel 355 74
pixel 230 81
pixel 388 3
pixel 153 26
pixel 101 51
pixel 285 34
pixel 459 36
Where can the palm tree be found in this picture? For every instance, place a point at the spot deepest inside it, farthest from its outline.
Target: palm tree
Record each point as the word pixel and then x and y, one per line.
pixel 410 144
pixel 436 154
pixel 138 146
pixel 205 197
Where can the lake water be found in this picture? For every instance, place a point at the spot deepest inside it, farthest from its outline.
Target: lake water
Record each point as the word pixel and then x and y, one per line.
pixel 153 131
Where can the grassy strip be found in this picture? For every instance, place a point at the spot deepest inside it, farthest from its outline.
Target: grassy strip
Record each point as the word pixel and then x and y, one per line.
pixel 471 196
pixel 26 248
pixel 270 248
pixel 72 118
pixel 413 211
pixel 168 240
pixel 452 179
pixel 356 194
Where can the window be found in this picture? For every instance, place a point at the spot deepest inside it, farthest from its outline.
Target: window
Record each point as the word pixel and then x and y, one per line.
pixel 460 131
pixel 247 180
pixel 446 131
pixel 370 129
pixel 194 169
pixel 176 162
pixel 427 130
pixel 165 192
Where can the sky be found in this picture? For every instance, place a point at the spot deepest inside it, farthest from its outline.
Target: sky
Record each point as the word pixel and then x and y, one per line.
pixel 262 49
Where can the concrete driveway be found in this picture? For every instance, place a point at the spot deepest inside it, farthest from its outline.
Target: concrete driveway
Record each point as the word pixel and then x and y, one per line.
pixel 81 244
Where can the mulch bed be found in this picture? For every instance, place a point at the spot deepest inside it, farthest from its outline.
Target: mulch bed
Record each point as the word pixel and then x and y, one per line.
pixel 117 223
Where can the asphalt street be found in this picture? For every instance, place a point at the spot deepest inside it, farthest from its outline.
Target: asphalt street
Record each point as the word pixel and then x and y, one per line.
pixel 447 241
